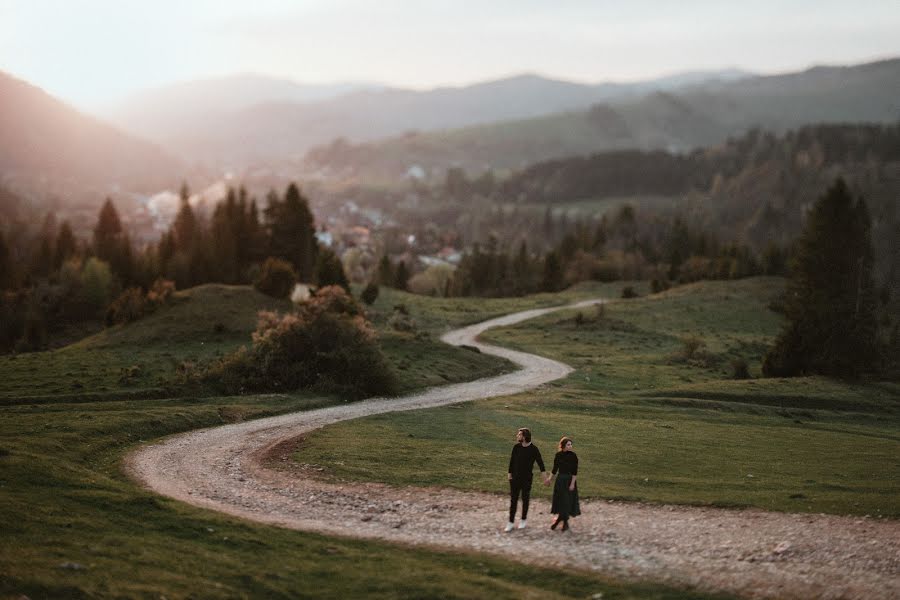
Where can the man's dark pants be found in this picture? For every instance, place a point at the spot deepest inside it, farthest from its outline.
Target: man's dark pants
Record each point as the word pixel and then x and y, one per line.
pixel 519 485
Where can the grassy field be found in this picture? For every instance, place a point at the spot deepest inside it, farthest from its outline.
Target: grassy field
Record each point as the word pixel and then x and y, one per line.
pixel 651 422
pixel 73 526
pixel 142 359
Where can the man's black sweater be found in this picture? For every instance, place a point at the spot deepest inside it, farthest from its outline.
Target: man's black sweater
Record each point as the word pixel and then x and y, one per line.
pixel 522 459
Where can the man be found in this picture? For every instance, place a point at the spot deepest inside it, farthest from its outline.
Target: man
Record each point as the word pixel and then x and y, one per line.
pixel 521 468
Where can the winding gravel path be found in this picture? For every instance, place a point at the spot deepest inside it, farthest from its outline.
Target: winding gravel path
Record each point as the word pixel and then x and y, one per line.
pixel 750 553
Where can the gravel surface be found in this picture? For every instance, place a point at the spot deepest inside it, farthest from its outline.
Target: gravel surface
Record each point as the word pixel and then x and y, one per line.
pixel 749 553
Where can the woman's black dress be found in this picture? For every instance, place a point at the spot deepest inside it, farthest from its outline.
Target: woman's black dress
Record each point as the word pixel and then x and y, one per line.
pixel 565 503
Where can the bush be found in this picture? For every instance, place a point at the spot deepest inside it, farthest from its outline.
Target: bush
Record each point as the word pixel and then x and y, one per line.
pixel 34 335
pixel 370 293
pixel 129 306
pixel 161 292
pixel 659 285
pixel 326 345
pixel 739 369
pixel 132 304
pixel 690 346
pixel 96 285
pixel 628 292
pixel 276 278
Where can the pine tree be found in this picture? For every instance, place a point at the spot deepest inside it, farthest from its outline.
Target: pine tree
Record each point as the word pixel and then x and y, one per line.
pixel 385 271
pixel 553 275
pixel 830 301
pixel 292 232
pixel 66 245
pixel 186 228
pixel 7 275
pixel 330 270
pixel 401 276
pixel 111 243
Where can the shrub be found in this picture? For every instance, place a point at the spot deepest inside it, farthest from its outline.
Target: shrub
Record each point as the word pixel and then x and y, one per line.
pixel 326 344
pixel 129 306
pixel 161 292
pixel 34 335
pixel 739 369
pixel 132 304
pixel 659 285
pixel 276 278
pixel 628 292
pixel 690 346
pixel 370 293
pixel 97 284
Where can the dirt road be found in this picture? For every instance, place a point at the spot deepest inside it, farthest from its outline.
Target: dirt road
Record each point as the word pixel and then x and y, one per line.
pixel 749 553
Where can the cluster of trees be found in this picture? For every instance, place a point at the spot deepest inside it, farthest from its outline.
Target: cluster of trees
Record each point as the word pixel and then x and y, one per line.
pixel 66 280
pixel 632 173
pixel 626 245
pixel 831 303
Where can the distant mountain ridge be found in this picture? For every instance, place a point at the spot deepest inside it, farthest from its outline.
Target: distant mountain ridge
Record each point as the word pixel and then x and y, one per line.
pixel 160 112
pixel 280 124
pixel 697 115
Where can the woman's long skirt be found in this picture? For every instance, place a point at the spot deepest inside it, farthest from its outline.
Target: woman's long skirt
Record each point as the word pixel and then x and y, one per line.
pixel 565 503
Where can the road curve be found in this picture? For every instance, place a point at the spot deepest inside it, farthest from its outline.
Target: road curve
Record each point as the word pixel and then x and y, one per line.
pixel 749 553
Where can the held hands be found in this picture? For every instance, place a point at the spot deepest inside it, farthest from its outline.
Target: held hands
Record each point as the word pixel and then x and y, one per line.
pixel 547 479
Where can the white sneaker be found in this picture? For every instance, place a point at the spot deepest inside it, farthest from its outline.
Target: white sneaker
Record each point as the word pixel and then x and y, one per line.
pixel 522 524
pixel 509 527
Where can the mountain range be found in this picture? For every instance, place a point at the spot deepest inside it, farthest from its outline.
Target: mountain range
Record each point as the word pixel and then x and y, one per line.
pixel 48 147
pixel 696 115
pixel 252 119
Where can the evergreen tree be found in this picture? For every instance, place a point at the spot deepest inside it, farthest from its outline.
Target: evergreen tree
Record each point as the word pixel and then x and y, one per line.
pixel 401 276
pixel 42 260
pixel 111 243
pixel 330 270
pixel 7 275
pixel 385 271
pixel 292 232
pixel 553 273
pixel 186 228
pixel 66 245
pixel 830 303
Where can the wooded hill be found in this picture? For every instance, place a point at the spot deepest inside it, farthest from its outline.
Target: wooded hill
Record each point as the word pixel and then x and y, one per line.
pixel 677 120
pixel 754 189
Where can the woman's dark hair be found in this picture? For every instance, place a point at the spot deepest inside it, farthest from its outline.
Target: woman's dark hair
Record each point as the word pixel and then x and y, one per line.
pixel 526 433
pixel 563 442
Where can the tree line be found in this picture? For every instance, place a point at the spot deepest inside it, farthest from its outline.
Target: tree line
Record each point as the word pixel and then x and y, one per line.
pixel 59 279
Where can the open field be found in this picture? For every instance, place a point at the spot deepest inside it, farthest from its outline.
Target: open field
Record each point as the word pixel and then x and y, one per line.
pixel 649 423
pixel 74 526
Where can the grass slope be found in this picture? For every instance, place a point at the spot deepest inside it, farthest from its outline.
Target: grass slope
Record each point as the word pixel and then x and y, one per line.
pixel 650 425
pixel 73 526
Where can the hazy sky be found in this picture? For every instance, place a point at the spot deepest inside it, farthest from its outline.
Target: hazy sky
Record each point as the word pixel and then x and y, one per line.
pixel 93 52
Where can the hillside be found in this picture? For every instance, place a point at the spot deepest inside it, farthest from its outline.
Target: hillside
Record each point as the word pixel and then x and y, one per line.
pixel 676 120
pixel 51 147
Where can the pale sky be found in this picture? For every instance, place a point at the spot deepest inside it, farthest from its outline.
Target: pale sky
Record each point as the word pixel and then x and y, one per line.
pixel 94 52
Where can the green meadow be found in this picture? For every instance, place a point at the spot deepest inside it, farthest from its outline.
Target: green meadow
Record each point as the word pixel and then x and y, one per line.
pixel 655 413
pixel 74 526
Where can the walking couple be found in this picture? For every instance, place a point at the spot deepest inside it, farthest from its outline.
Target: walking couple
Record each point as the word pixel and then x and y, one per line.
pixel 565 491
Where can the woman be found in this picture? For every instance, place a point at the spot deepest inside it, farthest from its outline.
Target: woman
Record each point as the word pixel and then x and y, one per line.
pixel 565 490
